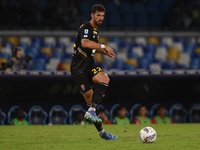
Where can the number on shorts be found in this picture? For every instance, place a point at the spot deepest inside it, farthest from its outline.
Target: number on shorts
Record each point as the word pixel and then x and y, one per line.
pixel 95 71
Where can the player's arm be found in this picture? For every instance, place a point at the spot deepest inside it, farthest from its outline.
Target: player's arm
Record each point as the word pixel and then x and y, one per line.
pixel 101 48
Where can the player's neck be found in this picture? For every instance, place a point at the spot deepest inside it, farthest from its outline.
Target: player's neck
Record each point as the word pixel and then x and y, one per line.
pixel 93 24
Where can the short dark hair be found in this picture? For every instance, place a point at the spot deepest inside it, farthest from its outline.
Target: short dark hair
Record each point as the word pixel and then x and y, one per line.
pixel 160 107
pixel 98 7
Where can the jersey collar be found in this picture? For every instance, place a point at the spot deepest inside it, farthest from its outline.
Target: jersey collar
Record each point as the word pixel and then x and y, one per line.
pixel 92 26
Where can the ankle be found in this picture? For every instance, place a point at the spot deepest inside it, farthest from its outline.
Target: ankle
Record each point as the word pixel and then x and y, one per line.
pixel 101 132
pixel 92 109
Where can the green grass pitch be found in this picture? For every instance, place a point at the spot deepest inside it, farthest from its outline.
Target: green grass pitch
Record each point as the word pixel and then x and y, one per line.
pixel 78 137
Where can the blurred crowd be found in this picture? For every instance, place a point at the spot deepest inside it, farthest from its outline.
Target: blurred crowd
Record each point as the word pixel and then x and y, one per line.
pixel 67 14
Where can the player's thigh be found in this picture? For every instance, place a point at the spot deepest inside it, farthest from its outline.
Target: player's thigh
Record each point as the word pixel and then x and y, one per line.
pixel 81 80
pixel 101 77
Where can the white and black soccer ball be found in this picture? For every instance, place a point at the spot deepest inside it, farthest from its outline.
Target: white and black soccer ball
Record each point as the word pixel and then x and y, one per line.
pixel 147 135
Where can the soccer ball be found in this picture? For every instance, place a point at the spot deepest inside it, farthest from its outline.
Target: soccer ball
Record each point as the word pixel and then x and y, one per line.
pixel 147 135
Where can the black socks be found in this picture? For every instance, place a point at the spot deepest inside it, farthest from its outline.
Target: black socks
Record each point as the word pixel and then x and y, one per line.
pixel 99 94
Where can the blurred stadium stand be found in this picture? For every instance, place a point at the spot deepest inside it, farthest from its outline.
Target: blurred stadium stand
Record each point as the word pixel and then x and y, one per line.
pixel 168 51
pixel 139 14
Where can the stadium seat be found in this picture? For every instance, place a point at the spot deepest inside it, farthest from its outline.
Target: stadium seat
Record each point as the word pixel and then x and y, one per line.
pixel 61 46
pixel 117 40
pixel 167 40
pixel 189 48
pixel 153 40
pixel 194 113
pixel 68 56
pixel 84 6
pixel 195 63
pixel 25 39
pixel 142 20
pixel 5 55
pixel 155 67
pixel 11 113
pixel 2 117
pixel 13 40
pixel 115 20
pixel 132 61
pixel 98 57
pixel 37 116
pixel 72 112
pixel 179 40
pixel 65 40
pixel 141 40
pixel 112 8
pixel 50 40
pixel 153 6
pixel 102 107
pixel 8 44
pixel 129 67
pixel 184 59
pixel 128 20
pixel 153 110
pixel 125 8
pixel 44 56
pixel 161 53
pixel 40 64
pixel 3 61
pixel 165 6
pixel 66 66
pixel 173 53
pixel 134 111
pixel 58 115
pixel 103 40
pixel 7 50
pixel 178 113
pixel 143 64
pixel 150 48
pixel 113 112
pixel 70 49
pixel 23 46
pixel 138 7
pixel 53 64
pixel 58 55
pixel 113 45
pixel 156 20
pixel 119 64
pixel 138 50
pixel 37 41
pixel 178 45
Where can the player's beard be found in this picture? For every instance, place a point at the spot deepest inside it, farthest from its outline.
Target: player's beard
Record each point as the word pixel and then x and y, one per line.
pixel 98 24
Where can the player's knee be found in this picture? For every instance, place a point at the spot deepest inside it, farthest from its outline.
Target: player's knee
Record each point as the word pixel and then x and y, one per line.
pixel 107 80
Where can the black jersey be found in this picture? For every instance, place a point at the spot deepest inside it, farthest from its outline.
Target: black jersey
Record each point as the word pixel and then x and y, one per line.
pixel 83 57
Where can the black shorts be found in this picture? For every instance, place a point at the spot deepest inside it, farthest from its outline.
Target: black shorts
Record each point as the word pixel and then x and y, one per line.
pixel 84 78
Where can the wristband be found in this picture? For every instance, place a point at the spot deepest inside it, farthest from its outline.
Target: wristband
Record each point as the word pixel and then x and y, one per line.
pixel 103 46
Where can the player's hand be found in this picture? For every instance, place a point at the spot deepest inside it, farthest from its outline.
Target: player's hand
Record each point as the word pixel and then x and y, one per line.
pixel 109 52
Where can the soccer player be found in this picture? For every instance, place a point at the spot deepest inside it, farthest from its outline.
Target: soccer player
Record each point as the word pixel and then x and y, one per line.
pixel 84 70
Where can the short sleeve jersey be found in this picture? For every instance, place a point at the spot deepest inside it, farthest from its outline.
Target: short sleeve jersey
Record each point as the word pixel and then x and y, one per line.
pixel 83 57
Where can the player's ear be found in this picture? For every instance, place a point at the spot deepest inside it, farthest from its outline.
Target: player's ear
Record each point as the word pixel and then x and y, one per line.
pixel 92 15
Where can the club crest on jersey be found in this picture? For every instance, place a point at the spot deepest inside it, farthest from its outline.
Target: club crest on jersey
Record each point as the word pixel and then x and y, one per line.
pixel 83 87
pixel 86 31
